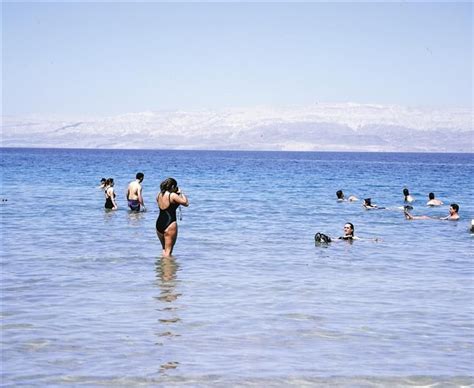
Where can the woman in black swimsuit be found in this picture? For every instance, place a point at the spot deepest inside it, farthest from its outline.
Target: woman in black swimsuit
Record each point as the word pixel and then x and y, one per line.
pixel 110 195
pixel 168 199
pixel 321 238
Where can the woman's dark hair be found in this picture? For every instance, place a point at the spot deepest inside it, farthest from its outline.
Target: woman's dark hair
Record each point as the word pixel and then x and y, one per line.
pixel 340 194
pixel 455 206
pixel 169 184
pixel 109 181
pixel 352 227
pixel 431 195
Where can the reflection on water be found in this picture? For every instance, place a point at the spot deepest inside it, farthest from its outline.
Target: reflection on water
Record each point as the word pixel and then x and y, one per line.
pixel 109 214
pixel 134 218
pixel 166 269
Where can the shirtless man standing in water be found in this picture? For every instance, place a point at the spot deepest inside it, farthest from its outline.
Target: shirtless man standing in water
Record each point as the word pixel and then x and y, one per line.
pixel 134 193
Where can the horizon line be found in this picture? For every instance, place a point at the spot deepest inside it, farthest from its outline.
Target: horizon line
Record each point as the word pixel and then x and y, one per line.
pixel 230 150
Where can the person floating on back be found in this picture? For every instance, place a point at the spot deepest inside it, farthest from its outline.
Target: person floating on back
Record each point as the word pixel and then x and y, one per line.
pixel 433 201
pixel 453 215
pixel 349 230
pixel 369 205
pixel 321 238
pixel 169 198
pixel 341 197
pixel 134 193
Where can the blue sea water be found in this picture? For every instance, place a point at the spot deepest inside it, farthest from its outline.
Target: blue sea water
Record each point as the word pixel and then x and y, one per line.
pixel 248 299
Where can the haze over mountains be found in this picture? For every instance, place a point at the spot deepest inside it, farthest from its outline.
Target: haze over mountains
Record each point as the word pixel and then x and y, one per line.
pixel 319 127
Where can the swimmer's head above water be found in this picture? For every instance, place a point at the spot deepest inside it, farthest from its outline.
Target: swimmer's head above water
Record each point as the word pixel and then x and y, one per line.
pixel 348 231
pixel 341 197
pixel 454 208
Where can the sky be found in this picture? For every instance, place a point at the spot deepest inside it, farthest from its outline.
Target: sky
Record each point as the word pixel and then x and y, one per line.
pixel 114 58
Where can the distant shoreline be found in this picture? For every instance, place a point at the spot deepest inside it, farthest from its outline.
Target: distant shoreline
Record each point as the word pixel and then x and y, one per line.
pixel 234 150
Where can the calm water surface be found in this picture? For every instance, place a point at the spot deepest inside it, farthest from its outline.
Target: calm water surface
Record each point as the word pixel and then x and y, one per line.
pixel 248 298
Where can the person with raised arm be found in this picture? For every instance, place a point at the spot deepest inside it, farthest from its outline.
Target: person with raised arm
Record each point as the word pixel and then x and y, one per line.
pixel 169 199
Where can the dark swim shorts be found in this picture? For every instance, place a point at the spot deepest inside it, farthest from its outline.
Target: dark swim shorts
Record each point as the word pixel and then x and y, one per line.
pixel 134 205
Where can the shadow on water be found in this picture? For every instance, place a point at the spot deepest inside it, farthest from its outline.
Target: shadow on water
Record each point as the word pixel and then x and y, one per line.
pixel 166 269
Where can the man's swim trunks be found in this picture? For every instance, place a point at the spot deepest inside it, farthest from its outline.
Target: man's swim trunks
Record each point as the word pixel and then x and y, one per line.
pixel 134 204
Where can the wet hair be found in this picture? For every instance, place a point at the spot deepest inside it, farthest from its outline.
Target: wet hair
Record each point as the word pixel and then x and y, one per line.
pixel 340 194
pixel 169 184
pixel 352 227
pixel 455 206
pixel 103 180
pixel 140 176
pixel 431 195
pixel 368 202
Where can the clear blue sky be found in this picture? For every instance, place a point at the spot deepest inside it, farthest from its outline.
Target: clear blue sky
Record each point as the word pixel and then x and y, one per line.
pixel 111 58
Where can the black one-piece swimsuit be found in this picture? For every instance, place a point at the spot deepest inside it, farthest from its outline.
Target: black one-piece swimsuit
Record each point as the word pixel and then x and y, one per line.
pixel 108 202
pixel 166 217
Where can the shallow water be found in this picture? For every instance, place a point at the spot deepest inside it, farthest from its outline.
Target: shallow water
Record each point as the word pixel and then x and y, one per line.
pixel 248 298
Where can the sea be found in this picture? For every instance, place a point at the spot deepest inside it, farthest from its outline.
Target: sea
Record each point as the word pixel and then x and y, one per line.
pixel 248 299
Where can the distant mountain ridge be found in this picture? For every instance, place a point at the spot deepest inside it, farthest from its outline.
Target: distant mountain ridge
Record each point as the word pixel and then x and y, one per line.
pixel 319 127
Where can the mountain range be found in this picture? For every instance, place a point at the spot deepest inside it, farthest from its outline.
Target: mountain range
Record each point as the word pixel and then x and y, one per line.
pixel 319 127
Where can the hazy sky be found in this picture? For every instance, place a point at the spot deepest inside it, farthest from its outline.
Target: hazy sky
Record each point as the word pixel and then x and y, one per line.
pixel 111 58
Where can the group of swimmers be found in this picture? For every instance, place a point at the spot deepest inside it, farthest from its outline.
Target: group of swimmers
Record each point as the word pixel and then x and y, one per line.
pixel 408 199
pixel 168 199
pixel 134 193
